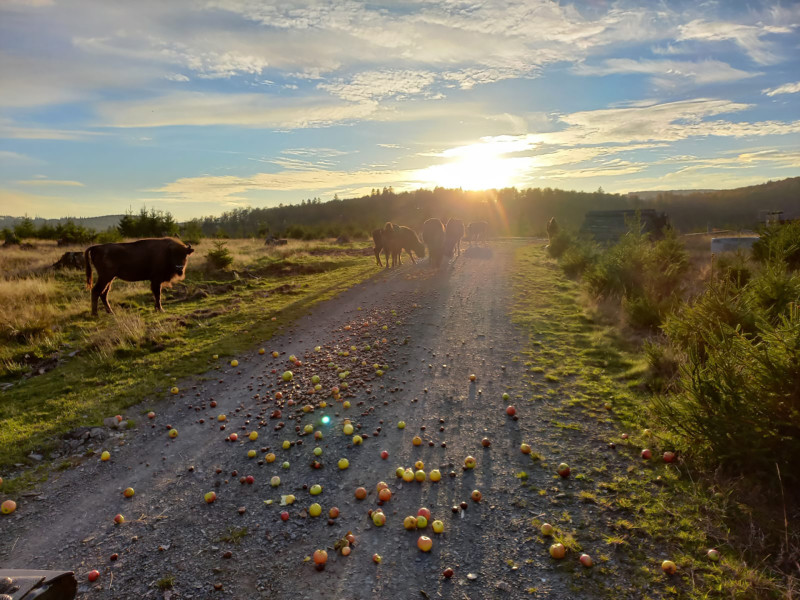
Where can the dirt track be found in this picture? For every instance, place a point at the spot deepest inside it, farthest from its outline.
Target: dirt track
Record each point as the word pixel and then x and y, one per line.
pixel 447 325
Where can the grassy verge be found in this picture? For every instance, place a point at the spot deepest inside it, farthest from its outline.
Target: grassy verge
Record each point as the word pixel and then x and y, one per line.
pixel 644 510
pixel 137 353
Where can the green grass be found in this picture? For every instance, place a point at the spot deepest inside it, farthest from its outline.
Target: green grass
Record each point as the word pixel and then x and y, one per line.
pixel 149 352
pixel 648 510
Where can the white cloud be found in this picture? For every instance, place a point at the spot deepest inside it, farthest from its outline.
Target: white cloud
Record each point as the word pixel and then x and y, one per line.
pixel 667 73
pixel 176 77
pixel 747 37
pixel 11 130
pixel 786 88
pixel 16 157
pixel 378 85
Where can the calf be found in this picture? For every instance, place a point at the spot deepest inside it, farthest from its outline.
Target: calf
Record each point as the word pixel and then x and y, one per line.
pixel 433 235
pixel 404 238
pixel 453 232
pixel 477 231
pixel 552 230
pixel 159 260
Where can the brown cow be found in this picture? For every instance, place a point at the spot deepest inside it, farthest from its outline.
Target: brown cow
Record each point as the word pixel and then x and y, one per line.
pixel 160 260
pixel 404 238
pixel 477 231
pixel 433 235
pixel 453 232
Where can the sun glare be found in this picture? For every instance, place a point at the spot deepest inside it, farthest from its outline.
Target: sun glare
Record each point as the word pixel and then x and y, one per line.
pixel 480 166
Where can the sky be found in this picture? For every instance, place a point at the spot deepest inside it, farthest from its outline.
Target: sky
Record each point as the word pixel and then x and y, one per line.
pixel 199 107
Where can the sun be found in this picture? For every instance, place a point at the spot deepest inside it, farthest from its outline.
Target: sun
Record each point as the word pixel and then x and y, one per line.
pixel 480 166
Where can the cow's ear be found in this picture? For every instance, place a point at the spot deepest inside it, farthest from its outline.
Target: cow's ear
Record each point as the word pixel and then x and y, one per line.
pixel 189 249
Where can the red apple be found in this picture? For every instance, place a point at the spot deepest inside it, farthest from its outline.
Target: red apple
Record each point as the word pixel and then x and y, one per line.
pixel 424 543
pixel 285 515
pixel 424 512
pixel 586 560
pixel 511 411
pixel 558 551
pixel 647 454
pixel 384 455
pixel 93 575
pixel 669 457
pixel 448 573
pixel 564 470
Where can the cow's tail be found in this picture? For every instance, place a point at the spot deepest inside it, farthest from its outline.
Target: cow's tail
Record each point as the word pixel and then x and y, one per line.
pixel 87 256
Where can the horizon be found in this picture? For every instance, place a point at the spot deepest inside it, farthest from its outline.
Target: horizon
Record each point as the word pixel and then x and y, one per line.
pixel 197 110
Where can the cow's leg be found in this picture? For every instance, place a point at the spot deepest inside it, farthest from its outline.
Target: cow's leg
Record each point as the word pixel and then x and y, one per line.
pixel 386 256
pixel 400 256
pixel 100 291
pixel 378 256
pixel 411 254
pixel 458 245
pixel 155 287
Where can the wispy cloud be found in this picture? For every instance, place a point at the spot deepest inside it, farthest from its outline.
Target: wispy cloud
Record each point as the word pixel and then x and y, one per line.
pixel 668 73
pixel 49 182
pixel 748 37
pixel 786 88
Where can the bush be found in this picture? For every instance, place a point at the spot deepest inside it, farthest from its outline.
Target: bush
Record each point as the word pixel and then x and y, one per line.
pixel 10 238
pixel 779 243
pixel 220 257
pixel 70 233
pixel 191 232
pixel 738 402
pixel 735 267
pixel 146 224
pixel 577 258
pixel 25 229
pixel 110 235
pixel 559 244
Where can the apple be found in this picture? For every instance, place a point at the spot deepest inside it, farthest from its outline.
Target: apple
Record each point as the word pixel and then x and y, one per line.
pixel 106 455
pixel 438 526
pixel 384 455
pixel 624 436
pixel 270 458
pixel 128 492
pixel 470 462
pixel 669 567
pixel 376 558
pixel 221 418
pixel 308 428
pixel 586 560
pixel 286 444
pixel 287 375
pixel 317 451
pixel 408 475
pixel 472 377
pixel 275 354
pixel 233 437
pixel 361 493
pixel 250 480
pixel 448 573
pixel 385 495
pixel 424 512
pixel 210 497
pixel 564 470
pixel 343 463
pixel 173 433
pixel 119 519
pixel 476 496
pixel 320 557
pixel 506 397
pixel 420 476
pixel 316 489
pixel 234 363
pixel 333 513
pixel 315 510
pixel 347 429
pixel 315 379
pixel 669 457
pixel 93 575
pixel 285 515
pixel 511 410
pixel 292 358
pixel 546 529
pixel 118 418
pixel 422 521
pixel 647 454
pixel 253 436
pixel 8 507
pixel 378 518
pixel 486 442
pixel 558 551
pixel 151 415
pixel 607 406
pixel 175 390
pixel 417 441
pixel 401 424
pixel 435 475
pixel 357 440
pixel 346 404
pixel 251 454
pixel 713 555
pixel 215 356
pixel 285 464
pixel 410 523
pixel 525 448
pixel 275 481
pixel 424 543
pixel 262 351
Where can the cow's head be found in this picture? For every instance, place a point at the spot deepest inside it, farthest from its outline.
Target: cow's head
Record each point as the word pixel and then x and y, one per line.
pixel 180 257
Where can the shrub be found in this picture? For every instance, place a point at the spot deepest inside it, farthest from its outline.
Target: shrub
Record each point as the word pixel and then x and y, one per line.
pixel 735 267
pixel 110 235
pixel 25 229
pixel 220 257
pixel 779 243
pixel 774 291
pixel 664 361
pixel 155 223
pixel 738 402
pixel 578 258
pixel 559 244
pixel 10 238
pixel 191 232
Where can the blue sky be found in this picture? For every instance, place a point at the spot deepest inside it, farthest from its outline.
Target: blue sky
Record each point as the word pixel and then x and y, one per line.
pixel 198 107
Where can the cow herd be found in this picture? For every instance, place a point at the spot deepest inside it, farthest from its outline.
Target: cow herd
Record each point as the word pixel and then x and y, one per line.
pixel 441 240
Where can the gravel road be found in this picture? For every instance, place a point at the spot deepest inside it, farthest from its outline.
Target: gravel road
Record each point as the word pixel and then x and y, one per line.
pixel 445 326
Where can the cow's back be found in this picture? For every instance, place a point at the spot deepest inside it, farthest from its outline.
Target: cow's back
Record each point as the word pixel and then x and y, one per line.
pixel 148 259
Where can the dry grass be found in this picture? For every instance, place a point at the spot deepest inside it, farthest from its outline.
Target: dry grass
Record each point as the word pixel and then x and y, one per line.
pixel 16 261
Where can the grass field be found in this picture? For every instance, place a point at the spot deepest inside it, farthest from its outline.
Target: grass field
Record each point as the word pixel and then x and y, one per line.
pixel 93 368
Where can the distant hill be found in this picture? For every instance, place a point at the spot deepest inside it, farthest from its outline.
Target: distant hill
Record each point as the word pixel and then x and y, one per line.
pixel 653 194
pixel 96 223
